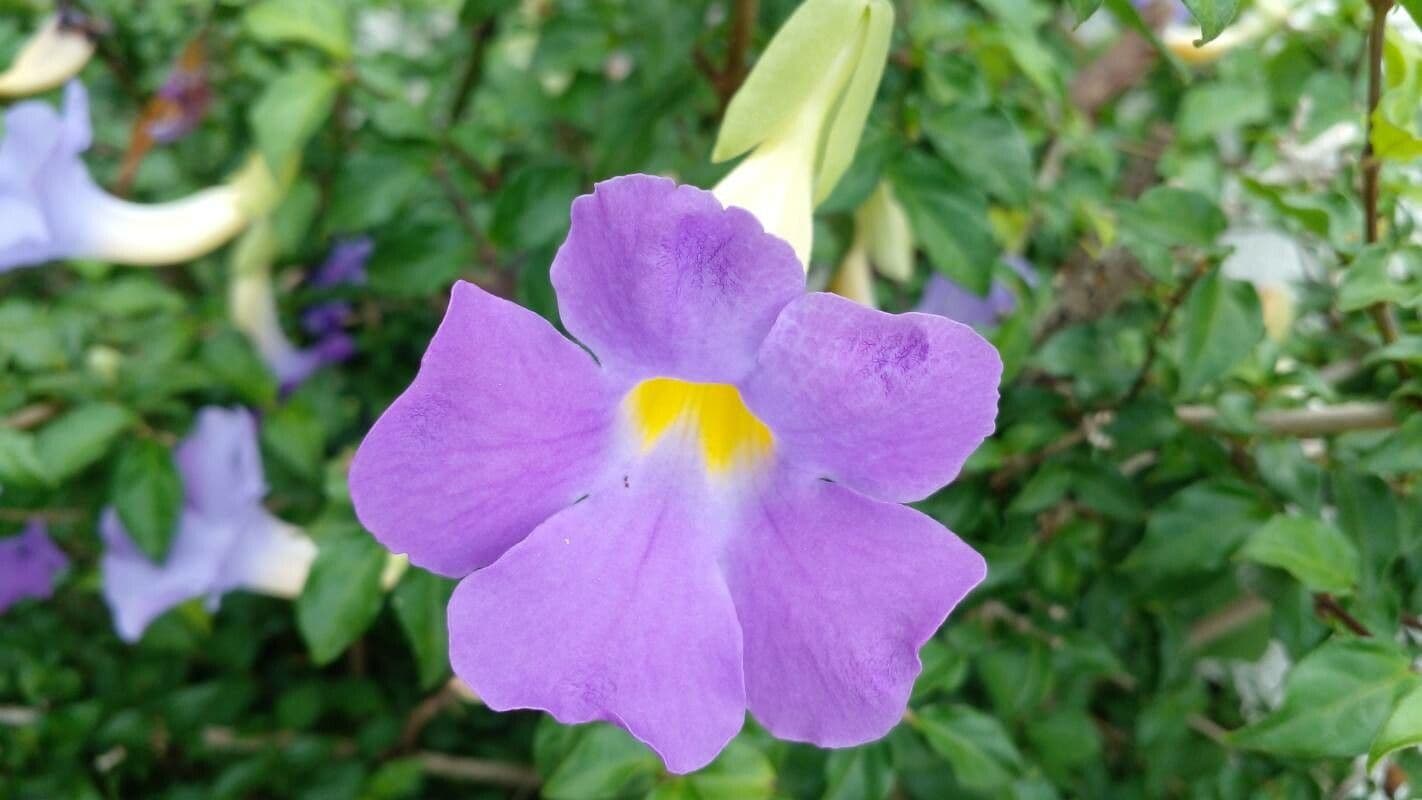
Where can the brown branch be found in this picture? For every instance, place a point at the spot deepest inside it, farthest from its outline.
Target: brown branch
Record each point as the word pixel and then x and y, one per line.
pixel 1305 422
pixel 726 79
pixel 29 416
pixel 1325 606
pixel 1372 167
pixel 440 765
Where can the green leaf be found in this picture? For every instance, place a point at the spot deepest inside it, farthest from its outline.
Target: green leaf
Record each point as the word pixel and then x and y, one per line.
pixel 68 445
pixel 860 773
pixel 986 147
pixel 1084 9
pixel 289 111
pixel 1222 323
pixel 1213 15
pixel 740 772
pixel 1380 276
pixel 148 495
pixel 1316 553
pixel 949 217
pixel 1197 530
pixel 294 434
pixel 419 601
pixel 19 462
pixel 1207 111
pixel 976 746
pixel 320 23
pixel 231 359
pixel 1403 727
pixel 1335 701
pixel 1169 216
pixel 597 761
pixel 342 594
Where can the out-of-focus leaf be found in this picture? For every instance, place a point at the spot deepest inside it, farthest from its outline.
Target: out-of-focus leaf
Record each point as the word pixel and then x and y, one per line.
pixel 977 746
pixel 148 495
pixel 1208 111
pixel 290 110
pixel 861 773
pixel 1316 553
pixel 320 23
pixel 419 602
pixel 600 761
pixel 79 438
pixel 20 465
pixel 1222 323
pixel 1169 216
pixel 949 217
pixel 1378 276
pixel 1213 15
pixel 342 594
pixel 1335 701
pixel 1403 727
pixel 741 771
pixel 986 147
pixel 1197 529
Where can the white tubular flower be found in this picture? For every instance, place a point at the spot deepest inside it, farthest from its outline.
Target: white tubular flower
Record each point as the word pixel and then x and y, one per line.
pixel 50 207
pixel 53 55
pixel 1265 17
pixel 1276 265
pixel 800 114
pixel 883 242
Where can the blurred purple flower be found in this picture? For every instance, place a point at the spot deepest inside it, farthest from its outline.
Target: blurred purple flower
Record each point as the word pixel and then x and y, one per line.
pixel 947 298
pixel 225 539
pixel 325 321
pixel 28 564
pixel 651 535
pixel 50 207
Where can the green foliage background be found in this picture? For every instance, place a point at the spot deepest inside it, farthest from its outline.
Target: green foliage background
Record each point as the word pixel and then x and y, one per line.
pixel 1163 550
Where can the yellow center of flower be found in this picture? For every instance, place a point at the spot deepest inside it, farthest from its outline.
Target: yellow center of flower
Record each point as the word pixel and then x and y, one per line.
pixel 714 412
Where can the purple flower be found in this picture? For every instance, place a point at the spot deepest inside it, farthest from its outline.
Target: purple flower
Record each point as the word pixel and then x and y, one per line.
pixel 701 517
pixel 28 564
pixel 326 321
pixel 345 264
pixel 225 540
pixel 50 208
pixel 947 298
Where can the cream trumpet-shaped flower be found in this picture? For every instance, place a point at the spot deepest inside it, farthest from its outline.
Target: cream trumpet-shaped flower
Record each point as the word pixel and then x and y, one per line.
pixel 50 207
pixel 1264 17
pixel 1276 265
pixel 882 241
pixel 53 55
pixel 800 114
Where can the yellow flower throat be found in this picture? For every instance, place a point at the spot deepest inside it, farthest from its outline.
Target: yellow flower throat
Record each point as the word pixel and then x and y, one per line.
pixel 726 430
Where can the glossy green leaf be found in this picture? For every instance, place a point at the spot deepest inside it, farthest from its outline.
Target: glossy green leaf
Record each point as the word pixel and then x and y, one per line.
pixel 419 601
pixel 977 746
pixel 1403 727
pixel 1213 15
pixel 342 594
pixel 1335 701
pixel 1316 553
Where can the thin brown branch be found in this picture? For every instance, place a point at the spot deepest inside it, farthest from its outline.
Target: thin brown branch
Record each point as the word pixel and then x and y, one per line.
pixel 1305 422
pixel 1225 621
pixel 1177 299
pixel 478 770
pixel 743 16
pixel 29 416
pixel 1326 606
pixel 1372 167
pixel 421 715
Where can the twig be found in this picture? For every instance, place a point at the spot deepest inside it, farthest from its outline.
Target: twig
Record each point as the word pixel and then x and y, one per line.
pixel 1304 422
pixel 421 716
pixel 1226 621
pixel 1381 312
pixel 441 765
pixel 1020 463
pixel 29 416
pixel 479 37
pixel 18 716
pixel 478 770
pixel 1325 606
pixel 1153 344
pixel 727 79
